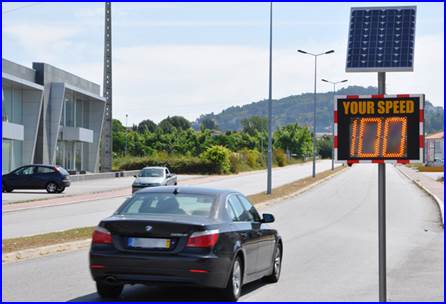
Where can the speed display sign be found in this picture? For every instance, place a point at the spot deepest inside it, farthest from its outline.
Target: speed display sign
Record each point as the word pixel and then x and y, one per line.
pixel 379 128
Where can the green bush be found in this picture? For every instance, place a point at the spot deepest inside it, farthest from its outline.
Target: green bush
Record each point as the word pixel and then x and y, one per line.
pixel 252 158
pixel 234 159
pixel 219 156
pixel 280 157
pixel 176 164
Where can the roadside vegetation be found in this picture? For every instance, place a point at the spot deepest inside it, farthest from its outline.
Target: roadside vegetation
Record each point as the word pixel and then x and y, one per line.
pixel 174 143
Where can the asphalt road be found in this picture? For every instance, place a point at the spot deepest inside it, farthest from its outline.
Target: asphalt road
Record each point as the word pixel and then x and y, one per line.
pixel 79 187
pixel 58 218
pixel 330 251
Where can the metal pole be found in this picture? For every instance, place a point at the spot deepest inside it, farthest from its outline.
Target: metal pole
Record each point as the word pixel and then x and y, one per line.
pixel 332 130
pixel 314 119
pixel 382 211
pixel 126 133
pixel 270 104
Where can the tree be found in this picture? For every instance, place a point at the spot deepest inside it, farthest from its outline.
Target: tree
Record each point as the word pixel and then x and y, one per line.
pixel 254 124
pixel 146 126
pixel 295 139
pixel 324 146
pixel 208 123
pixel 178 122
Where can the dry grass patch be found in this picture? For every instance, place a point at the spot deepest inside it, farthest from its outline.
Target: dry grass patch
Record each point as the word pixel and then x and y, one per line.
pixel 35 241
pixel 293 187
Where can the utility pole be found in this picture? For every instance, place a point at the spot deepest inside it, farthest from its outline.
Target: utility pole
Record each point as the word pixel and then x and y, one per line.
pixel 106 144
pixel 270 104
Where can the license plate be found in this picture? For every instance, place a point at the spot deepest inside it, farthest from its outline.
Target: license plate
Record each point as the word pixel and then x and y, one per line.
pixel 149 243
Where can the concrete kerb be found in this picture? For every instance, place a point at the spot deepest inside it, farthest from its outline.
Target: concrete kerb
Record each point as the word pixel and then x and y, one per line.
pixel 44 251
pixel 82 244
pixel 439 203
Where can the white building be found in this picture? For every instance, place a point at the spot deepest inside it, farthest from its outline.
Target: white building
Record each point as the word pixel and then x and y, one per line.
pixel 49 116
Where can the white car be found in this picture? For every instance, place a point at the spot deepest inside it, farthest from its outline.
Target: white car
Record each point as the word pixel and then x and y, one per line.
pixel 153 177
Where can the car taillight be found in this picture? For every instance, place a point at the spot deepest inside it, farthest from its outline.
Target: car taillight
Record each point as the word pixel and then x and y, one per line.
pixel 101 236
pixel 204 239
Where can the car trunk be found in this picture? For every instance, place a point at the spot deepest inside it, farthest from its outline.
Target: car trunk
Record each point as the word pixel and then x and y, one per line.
pixel 149 233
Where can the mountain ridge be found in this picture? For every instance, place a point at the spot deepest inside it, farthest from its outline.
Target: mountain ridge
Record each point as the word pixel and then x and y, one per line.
pixel 299 109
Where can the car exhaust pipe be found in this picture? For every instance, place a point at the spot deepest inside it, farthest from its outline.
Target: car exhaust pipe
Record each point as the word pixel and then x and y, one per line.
pixel 111 280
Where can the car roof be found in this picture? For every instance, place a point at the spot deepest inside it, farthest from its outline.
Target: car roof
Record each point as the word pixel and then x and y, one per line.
pixel 153 167
pixel 187 189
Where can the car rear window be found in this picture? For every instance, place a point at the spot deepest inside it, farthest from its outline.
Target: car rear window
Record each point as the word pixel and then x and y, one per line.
pixel 63 171
pixel 169 203
pixel 151 172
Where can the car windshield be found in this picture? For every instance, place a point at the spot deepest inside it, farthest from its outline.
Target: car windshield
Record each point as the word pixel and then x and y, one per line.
pixel 169 203
pixel 151 172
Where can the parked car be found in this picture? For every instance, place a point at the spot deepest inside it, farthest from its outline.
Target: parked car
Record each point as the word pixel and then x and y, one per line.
pixel 185 235
pixel 52 178
pixel 153 177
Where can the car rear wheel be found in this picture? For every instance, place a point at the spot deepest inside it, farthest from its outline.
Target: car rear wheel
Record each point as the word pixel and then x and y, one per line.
pixel 109 291
pixel 234 288
pixel 51 187
pixel 277 266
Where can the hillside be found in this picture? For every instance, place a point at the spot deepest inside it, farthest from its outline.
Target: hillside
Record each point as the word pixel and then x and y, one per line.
pixel 299 108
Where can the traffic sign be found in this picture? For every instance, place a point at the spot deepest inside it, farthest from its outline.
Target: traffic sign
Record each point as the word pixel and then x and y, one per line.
pixel 381 39
pixel 379 128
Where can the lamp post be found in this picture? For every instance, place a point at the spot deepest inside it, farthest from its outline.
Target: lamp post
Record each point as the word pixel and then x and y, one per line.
pixel 334 83
pixel 314 103
pixel 126 133
pixel 270 105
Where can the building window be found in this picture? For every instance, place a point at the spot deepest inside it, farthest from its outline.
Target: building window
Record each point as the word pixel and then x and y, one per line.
pixel 17 150
pixel 17 106
pixel 60 151
pixel 6 155
pixel 7 104
pixel 78 149
pixel 79 113
pixel 69 155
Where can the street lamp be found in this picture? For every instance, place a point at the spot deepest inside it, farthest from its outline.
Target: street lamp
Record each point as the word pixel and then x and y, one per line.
pixel 334 83
pixel 314 103
pixel 126 133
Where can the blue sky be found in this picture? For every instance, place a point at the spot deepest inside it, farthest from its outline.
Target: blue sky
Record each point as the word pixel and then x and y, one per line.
pixel 194 58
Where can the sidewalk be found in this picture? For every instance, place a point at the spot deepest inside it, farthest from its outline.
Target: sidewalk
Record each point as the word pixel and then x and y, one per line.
pixel 428 184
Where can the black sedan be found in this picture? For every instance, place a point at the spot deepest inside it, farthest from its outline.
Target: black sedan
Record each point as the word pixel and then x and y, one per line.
pixel 185 235
pixel 52 178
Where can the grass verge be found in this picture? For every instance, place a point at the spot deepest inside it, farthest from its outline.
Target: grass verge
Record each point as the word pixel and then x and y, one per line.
pixel 35 241
pixel 77 234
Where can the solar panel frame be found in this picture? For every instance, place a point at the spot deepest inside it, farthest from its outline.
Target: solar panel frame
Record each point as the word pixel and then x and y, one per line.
pixel 384 68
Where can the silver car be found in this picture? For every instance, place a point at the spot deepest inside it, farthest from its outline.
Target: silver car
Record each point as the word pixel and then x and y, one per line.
pixel 153 177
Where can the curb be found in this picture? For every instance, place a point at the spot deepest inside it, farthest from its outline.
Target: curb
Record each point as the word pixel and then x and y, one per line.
pixel 82 244
pixel 440 203
pixel 44 251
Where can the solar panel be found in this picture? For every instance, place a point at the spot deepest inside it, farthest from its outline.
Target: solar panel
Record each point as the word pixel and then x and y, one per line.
pixel 381 39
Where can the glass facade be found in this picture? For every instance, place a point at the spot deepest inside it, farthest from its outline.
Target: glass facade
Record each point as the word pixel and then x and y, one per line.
pixel 70 154
pixel 12 111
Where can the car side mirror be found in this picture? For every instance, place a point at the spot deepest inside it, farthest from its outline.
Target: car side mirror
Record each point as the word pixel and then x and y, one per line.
pixel 267 218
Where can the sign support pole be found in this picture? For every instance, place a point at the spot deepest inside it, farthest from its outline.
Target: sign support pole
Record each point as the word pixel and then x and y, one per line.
pixel 382 211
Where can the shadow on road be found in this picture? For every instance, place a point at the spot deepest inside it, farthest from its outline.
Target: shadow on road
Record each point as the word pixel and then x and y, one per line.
pixel 138 293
